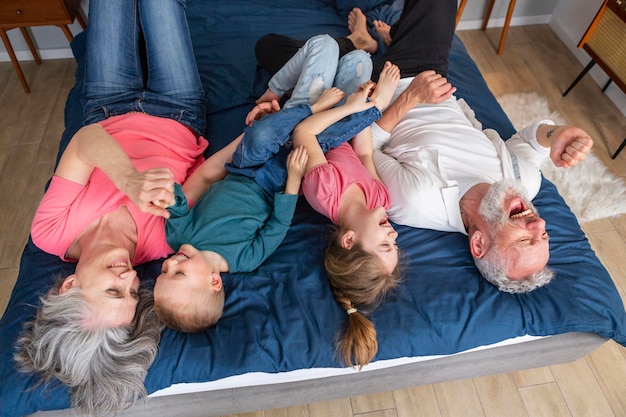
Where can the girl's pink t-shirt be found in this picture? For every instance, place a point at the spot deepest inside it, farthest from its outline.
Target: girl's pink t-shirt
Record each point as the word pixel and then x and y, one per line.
pixel 325 184
pixel 67 207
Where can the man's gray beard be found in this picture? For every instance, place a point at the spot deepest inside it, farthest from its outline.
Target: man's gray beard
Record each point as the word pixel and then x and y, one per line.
pixel 492 205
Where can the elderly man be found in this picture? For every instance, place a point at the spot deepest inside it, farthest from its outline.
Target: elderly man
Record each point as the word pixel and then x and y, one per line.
pixel 442 170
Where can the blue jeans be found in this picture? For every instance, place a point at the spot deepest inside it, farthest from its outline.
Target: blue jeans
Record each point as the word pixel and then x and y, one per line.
pixel 262 156
pixel 262 153
pixel 115 82
pixel 316 67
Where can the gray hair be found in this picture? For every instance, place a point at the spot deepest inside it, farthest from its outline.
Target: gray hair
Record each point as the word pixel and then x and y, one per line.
pixel 104 367
pixel 493 269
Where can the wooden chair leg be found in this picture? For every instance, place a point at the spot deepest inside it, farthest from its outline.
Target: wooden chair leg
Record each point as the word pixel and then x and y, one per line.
pixel 31 45
pixel 619 149
pixel 459 11
pixel 505 29
pixel 14 61
pixel 488 14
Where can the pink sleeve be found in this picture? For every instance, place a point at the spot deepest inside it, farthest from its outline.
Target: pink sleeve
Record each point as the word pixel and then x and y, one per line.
pixel 321 188
pixel 50 224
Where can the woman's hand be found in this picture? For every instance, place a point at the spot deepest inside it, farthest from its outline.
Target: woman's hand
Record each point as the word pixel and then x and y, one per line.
pixel 151 190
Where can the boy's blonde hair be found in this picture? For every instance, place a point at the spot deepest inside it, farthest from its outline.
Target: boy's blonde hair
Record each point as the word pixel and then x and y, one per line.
pixel 191 312
pixel 359 283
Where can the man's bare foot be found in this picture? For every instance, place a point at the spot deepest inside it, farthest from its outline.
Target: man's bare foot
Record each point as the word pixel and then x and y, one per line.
pixel 328 99
pixel 267 96
pixel 386 86
pixel 383 31
pixel 360 37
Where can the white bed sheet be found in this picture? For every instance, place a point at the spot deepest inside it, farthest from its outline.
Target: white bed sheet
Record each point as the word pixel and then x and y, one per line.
pixel 263 378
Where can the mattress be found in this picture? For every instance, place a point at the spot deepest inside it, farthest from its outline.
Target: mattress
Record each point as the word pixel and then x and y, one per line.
pixel 444 322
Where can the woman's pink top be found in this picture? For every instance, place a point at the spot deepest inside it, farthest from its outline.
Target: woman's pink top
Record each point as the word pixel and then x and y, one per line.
pixel 325 184
pixel 67 207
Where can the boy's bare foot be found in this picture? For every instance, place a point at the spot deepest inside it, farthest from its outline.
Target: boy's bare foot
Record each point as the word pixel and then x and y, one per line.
pixel 328 99
pixel 386 86
pixel 360 37
pixel 383 31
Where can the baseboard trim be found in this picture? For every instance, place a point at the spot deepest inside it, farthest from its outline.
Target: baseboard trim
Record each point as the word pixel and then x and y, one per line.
pixel 499 22
pixel 23 56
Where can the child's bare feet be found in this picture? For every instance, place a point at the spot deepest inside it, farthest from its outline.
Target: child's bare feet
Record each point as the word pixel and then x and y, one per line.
pixel 383 31
pixel 328 99
pixel 386 86
pixel 360 37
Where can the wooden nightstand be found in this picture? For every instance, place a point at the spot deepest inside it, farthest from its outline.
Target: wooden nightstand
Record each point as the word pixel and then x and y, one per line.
pixel 24 13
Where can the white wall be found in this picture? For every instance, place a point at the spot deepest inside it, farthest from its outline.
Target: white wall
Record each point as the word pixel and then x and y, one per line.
pixel 570 20
pixel 527 12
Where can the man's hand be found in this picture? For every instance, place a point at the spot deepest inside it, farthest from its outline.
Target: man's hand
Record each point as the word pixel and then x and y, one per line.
pixel 568 144
pixel 428 87
pixel 151 190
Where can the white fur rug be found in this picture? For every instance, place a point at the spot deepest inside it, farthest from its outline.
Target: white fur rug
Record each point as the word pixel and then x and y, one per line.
pixel 589 188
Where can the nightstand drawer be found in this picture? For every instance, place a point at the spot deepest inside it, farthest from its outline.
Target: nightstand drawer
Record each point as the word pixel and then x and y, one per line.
pixel 37 12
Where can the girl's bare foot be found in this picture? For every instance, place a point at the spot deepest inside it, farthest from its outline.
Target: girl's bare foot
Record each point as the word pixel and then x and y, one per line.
pixel 386 86
pixel 328 99
pixel 360 37
pixel 383 31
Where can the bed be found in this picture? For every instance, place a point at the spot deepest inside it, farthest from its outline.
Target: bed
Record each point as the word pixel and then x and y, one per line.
pixel 274 345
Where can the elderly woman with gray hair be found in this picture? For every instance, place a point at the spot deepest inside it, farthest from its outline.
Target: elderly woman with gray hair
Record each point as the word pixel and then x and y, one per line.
pixel 96 330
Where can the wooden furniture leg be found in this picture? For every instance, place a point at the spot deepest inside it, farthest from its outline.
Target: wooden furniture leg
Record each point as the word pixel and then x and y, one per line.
pixel 505 29
pixel 66 29
pixel 14 61
pixel 580 76
pixel 459 11
pixel 81 20
pixel 31 45
pixel 619 149
pixel 67 32
pixel 488 14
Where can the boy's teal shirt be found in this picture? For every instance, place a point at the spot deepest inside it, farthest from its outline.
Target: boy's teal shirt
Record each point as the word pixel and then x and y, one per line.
pixel 234 218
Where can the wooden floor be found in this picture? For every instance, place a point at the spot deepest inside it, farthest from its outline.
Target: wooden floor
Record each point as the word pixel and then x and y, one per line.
pixel 534 59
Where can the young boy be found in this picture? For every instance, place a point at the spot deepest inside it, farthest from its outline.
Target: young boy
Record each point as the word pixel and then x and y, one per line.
pixel 239 221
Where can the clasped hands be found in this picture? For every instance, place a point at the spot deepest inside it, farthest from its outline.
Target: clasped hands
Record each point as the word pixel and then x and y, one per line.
pixel 151 190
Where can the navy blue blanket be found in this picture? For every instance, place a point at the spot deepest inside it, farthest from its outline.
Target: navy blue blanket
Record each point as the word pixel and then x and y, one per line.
pixel 283 316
